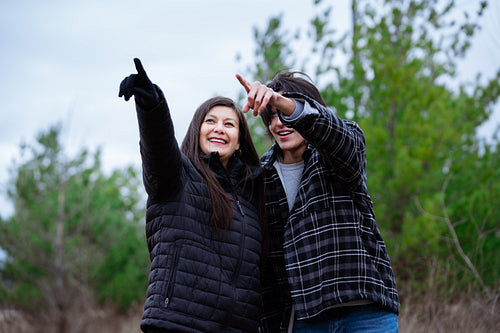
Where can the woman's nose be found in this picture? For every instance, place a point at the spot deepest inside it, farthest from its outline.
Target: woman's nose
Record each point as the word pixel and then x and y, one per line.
pixel 219 127
pixel 278 122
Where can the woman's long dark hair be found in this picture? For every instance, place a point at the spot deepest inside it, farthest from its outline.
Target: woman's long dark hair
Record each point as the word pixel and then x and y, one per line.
pixel 222 211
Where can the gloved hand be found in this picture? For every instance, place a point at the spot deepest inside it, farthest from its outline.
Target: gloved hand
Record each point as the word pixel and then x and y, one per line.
pixel 140 86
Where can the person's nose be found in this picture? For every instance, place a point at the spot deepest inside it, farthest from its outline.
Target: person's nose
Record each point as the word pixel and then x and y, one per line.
pixel 219 127
pixel 279 124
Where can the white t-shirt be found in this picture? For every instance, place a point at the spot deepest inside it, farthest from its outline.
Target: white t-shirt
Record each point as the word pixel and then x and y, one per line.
pixel 290 175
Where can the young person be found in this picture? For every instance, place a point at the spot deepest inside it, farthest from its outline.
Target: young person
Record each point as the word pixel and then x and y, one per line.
pixel 203 227
pixel 328 269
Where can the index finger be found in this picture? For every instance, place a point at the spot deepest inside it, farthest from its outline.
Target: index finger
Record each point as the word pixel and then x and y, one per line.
pixel 243 82
pixel 138 66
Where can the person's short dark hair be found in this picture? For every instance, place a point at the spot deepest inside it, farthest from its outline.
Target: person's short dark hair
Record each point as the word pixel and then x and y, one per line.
pixel 294 81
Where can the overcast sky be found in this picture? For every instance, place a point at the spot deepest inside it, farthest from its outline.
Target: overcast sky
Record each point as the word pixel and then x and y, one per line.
pixel 62 61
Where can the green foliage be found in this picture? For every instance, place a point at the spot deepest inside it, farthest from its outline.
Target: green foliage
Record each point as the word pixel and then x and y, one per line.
pixel 272 54
pixel 470 198
pixel 399 83
pixel 75 231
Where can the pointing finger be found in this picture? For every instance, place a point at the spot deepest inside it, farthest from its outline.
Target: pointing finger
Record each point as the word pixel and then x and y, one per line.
pixel 138 66
pixel 243 82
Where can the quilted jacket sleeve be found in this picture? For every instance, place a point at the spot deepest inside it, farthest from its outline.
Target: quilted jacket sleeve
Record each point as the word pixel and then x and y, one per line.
pixel 161 157
pixel 341 141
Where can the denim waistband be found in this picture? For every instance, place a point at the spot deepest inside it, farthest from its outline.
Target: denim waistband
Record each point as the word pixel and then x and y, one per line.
pixel 342 311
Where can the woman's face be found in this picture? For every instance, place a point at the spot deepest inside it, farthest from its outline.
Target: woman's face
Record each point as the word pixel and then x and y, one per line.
pixel 220 132
pixel 289 140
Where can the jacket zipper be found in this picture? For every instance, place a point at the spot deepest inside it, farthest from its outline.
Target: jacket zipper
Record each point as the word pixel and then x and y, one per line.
pixel 243 230
pixel 170 285
pixel 239 207
pixel 242 242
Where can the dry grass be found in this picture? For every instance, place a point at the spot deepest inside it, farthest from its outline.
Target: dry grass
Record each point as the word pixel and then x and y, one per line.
pixel 101 320
pixel 464 313
pixel 467 313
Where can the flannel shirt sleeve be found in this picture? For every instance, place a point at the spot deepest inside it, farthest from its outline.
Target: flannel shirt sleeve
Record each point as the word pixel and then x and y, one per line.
pixel 341 141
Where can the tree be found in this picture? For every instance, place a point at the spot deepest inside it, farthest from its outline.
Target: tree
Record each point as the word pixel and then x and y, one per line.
pixel 76 235
pixel 272 54
pixel 399 83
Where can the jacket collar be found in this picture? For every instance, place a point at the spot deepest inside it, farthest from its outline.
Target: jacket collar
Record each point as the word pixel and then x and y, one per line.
pixel 235 168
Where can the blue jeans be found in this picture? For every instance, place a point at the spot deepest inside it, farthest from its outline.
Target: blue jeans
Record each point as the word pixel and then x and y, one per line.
pixel 360 319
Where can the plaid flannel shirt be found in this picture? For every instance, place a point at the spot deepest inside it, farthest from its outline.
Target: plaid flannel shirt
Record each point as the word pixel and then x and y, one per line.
pixel 327 250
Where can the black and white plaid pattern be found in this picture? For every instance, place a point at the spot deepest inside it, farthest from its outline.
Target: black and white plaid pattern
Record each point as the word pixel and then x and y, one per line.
pixel 328 249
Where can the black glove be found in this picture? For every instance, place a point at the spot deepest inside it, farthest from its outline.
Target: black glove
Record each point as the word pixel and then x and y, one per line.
pixel 140 86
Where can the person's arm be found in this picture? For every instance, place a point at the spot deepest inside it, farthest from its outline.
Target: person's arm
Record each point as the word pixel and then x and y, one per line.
pixel 339 140
pixel 259 96
pixel 161 157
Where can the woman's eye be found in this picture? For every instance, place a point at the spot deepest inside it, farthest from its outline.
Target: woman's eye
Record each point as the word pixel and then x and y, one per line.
pixel 209 120
pixel 230 124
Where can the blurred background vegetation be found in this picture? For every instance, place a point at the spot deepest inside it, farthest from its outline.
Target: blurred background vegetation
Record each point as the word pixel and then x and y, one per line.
pixel 76 239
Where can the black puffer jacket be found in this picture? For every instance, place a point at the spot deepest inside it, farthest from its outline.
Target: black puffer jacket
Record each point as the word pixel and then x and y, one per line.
pixel 201 279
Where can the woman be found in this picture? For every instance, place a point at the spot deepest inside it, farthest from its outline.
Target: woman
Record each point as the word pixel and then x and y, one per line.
pixel 328 267
pixel 202 221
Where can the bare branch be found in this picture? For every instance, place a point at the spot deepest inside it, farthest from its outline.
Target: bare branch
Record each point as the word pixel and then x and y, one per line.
pixel 453 233
pixel 456 241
